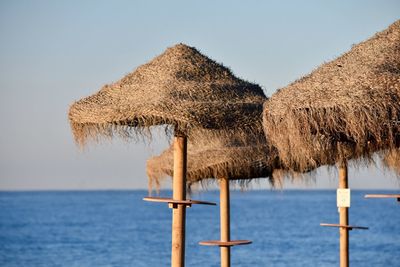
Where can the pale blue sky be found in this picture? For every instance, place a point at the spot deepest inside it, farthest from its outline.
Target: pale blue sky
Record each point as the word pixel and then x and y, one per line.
pixel 55 52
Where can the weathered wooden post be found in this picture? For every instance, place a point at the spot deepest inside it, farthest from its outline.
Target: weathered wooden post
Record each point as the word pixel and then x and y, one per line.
pixel 343 204
pixel 225 222
pixel 344 217
pixel 179 193
pixel 225 243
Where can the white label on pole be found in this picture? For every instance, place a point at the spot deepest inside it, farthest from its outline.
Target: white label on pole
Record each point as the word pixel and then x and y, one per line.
pixel 343 198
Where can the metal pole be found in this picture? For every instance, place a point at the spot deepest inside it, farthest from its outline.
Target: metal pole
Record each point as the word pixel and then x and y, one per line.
pixel 179 193
pixel 343 219
pixel 225 222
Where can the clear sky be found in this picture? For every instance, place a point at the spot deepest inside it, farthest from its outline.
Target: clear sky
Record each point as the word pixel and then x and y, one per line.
pixel 55 52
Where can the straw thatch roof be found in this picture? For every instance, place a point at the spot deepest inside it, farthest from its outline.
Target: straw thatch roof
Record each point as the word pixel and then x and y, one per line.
pixel 347 108
pixel 218 158
pixel 238 157
pixel 238 163
pixel 181 88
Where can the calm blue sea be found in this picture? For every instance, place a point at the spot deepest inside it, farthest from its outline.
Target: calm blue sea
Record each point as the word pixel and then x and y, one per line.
pixel 117 228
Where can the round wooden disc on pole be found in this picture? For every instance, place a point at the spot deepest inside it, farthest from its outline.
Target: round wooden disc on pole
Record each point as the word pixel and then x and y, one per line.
pixel 179 193
pixel 344 218
pixel 225 222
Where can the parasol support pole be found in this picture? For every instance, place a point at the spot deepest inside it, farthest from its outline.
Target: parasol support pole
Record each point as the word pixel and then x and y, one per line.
pixel 179 193
pixel 225 222
pixel 344 218
pixel 225 243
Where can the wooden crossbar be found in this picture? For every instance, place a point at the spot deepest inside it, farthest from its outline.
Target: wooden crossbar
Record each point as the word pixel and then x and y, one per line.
pixel 225 243
pixel 350 227
pixel 187 202
pixel 383 196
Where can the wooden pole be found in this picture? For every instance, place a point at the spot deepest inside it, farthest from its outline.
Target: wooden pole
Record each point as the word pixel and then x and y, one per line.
pixel 343 219
pixel 225 222
pixel 179 193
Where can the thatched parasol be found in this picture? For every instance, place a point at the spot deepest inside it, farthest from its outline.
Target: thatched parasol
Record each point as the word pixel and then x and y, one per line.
pixel 346 109
pixel 226 159
pixel 217 159
pixel 181 89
